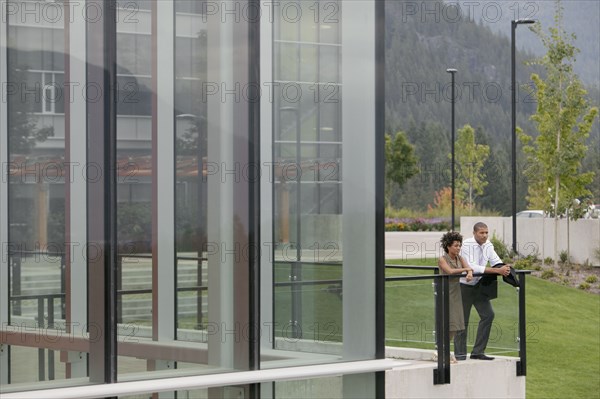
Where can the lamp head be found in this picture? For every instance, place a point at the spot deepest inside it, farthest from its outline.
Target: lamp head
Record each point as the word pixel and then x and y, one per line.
pixel 451 70
pixel 524 21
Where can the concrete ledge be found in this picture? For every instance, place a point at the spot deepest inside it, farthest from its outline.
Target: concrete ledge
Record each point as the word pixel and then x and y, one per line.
pixel 469 378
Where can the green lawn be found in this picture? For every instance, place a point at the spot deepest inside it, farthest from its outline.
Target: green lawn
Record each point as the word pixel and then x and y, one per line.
pixel 563 335
pixel 563 341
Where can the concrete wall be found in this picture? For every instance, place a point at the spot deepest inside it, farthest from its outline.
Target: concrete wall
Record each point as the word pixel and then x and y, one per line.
pixel 468 379
pixel 536 235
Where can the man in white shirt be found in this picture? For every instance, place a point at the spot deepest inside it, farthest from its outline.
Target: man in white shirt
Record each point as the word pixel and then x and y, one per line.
pixel 478 251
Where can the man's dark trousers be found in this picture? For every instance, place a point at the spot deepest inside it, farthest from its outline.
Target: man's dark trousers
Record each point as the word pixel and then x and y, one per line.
pixel 472 295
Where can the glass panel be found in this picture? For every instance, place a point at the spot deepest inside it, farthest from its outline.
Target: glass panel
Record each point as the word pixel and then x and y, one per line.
pixel 410 314
pixel 309 303
pixel 134 188
pixel 191 132
pixel 330 17
pixel 174 254
pixel 134 97
pixel 310 306
pixel 36 196
pixel 233 392
pixel 308 63
pixel 308 21
pixel 330 114
pixel 30 365
pixel 505 327
pixel 163 97
pixel 287 19
pixel 288 68
pixel 329 64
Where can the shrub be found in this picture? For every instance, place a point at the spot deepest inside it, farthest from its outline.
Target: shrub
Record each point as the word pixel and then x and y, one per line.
pixel 584 286
pixel 591 279
pixel 523 264
pixel 548 273
pixel 548 260
pixel 417 224
pixel 563 256
pixel 500 247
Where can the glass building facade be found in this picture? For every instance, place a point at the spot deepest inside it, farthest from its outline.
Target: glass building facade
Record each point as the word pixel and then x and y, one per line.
pixel 191 189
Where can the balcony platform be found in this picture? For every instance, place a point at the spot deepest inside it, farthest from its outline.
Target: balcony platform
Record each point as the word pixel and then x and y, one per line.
pixel 468 379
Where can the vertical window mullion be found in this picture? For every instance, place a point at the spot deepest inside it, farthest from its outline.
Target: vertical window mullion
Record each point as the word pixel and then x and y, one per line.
pixel 102 237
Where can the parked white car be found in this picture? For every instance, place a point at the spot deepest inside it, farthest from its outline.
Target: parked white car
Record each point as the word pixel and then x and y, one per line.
pixel 531 214
pixel 593 212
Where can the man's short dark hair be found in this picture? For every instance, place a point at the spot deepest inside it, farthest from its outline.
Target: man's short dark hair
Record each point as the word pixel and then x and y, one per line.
pixel 479 225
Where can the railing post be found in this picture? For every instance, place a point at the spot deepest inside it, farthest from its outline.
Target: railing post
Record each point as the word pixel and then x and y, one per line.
pixel 441 375
pixel 522 363
pixel 63 282
pixel 199 282
pixel 50 325
pixel 119 284
pixel 16 282
pixel 296 322
pixel 41 353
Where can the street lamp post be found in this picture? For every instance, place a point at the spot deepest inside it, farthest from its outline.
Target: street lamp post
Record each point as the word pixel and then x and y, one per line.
pixel 452 72
pixel 514 24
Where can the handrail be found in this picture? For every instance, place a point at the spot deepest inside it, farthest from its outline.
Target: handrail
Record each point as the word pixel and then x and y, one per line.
pixel 412 267
pixel 211 380
pixel 441 373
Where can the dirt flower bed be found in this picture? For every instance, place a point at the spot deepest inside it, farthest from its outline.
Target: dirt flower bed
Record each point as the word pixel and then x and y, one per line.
pixel 583 277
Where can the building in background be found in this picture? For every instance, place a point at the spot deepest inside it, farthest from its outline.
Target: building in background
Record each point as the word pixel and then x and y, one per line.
pixel 190 188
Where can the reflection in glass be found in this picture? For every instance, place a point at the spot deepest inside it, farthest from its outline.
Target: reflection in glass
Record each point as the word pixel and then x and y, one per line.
pixel 36 191
pixel 134 182
pixel 191 144
pixel 307 188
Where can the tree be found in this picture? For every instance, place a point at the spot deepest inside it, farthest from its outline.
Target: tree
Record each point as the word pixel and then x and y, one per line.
pixel 23 136
pixel 470 158
pixel 23 130
pixel 400 162
pixel 564 119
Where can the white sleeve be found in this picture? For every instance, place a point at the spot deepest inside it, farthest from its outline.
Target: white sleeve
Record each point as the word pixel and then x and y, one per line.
pixel 493 257
pixel 477 268
pixel 466 252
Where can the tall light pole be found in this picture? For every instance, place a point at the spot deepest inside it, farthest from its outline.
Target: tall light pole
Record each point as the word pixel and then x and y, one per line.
pixel 452 72
pixel 514 24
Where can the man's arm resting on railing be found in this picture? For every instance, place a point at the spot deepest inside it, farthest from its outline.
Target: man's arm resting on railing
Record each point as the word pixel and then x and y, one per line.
pixel 479 270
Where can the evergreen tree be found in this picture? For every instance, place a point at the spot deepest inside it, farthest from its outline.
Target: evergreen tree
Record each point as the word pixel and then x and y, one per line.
pixel 400 162
pixel 497 194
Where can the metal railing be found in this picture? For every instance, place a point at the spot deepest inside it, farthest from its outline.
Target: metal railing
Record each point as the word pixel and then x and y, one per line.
pixel 46 302
pixel 441 375
pixel 197 288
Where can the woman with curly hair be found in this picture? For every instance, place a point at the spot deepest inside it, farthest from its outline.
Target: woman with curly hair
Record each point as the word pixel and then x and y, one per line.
pixel 452 263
